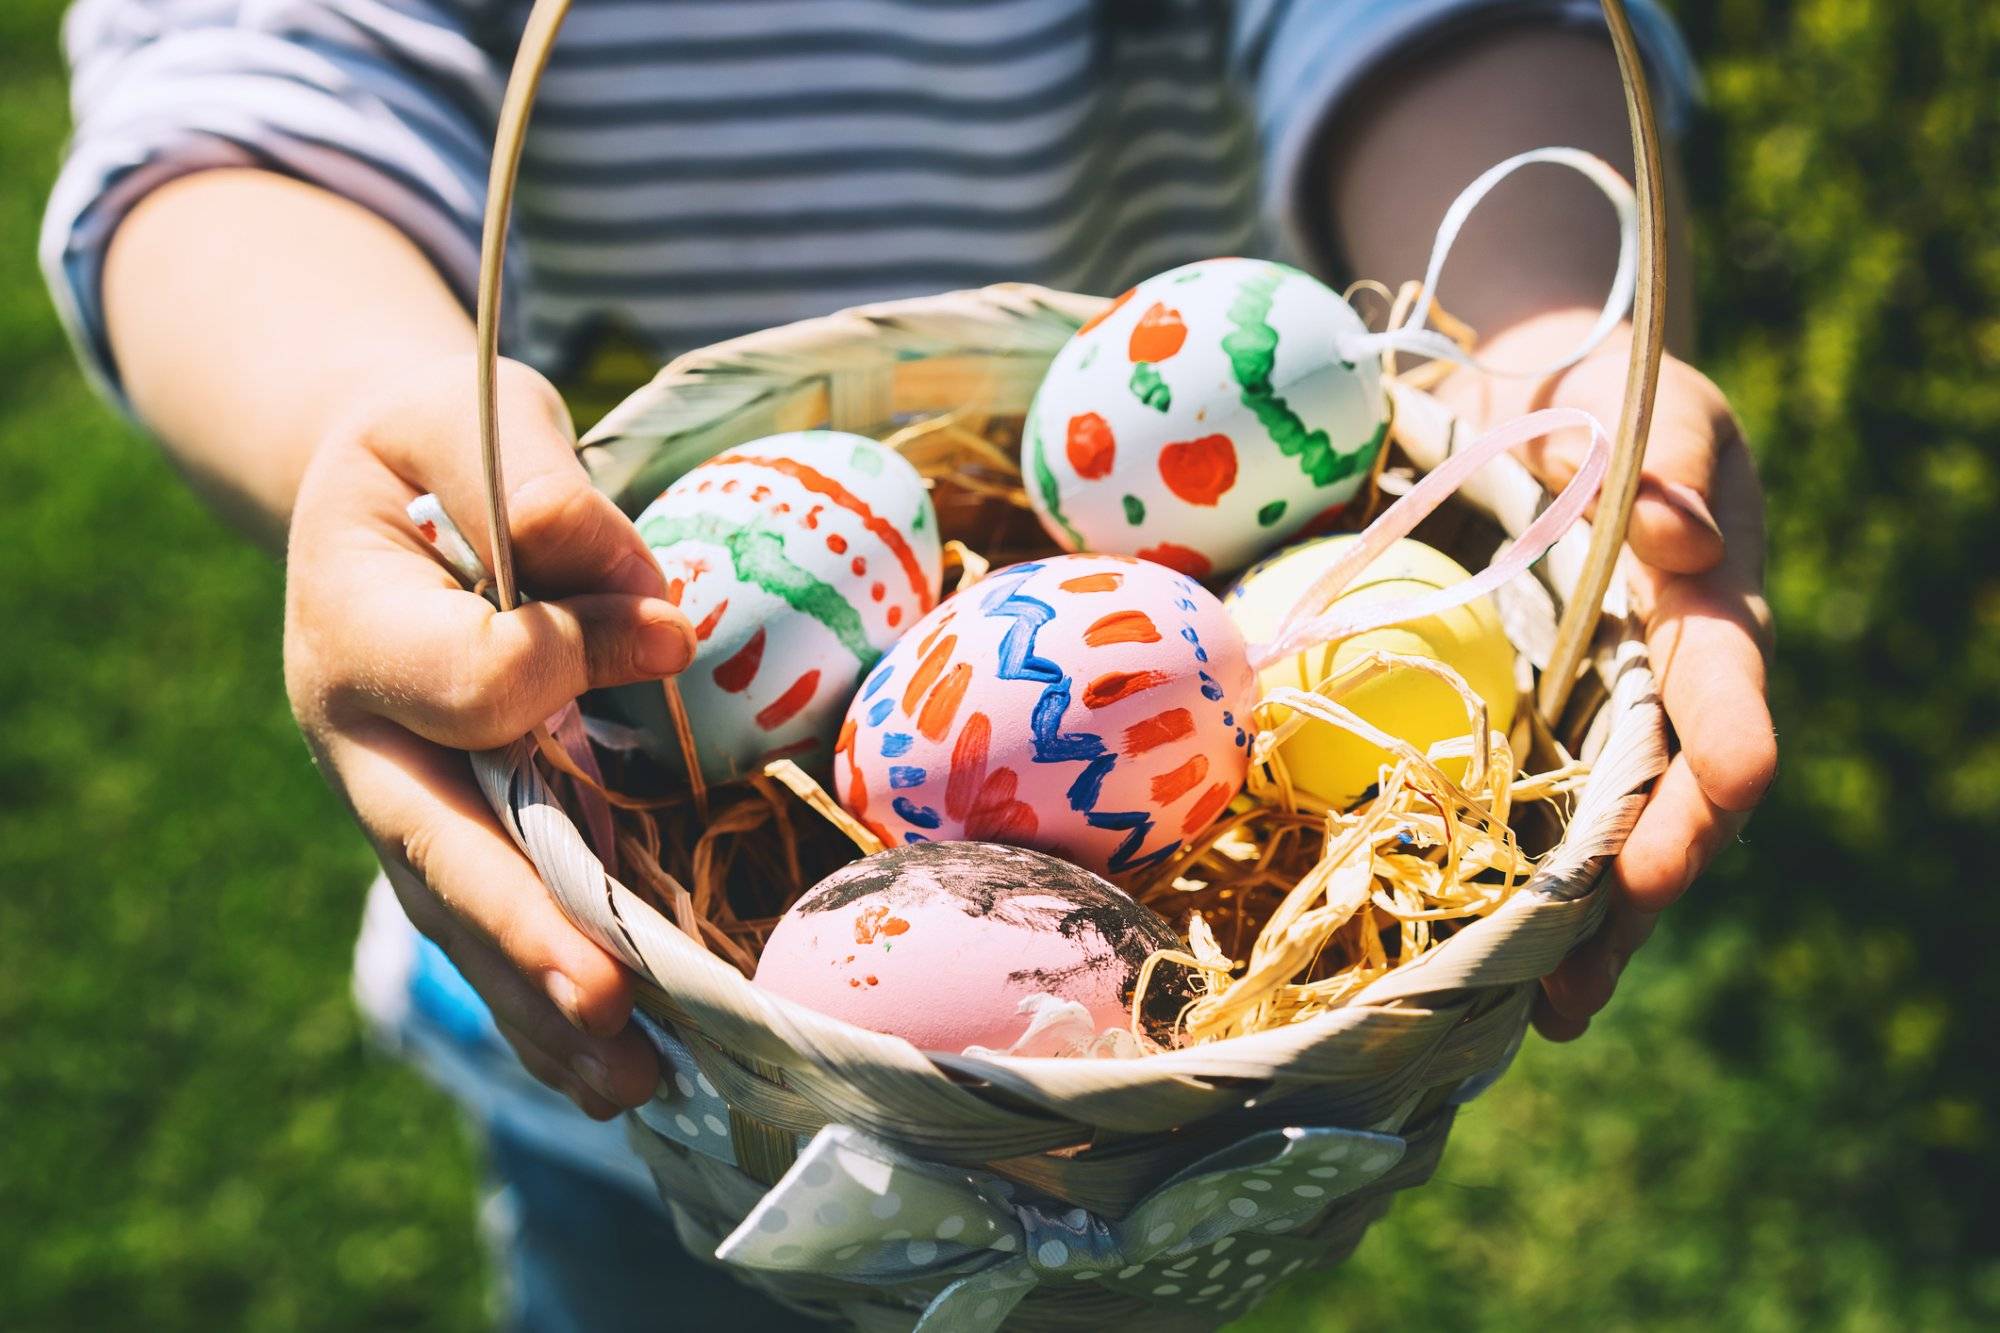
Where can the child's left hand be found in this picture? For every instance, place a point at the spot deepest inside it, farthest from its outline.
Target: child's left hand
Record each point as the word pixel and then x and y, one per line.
pixel 1698 533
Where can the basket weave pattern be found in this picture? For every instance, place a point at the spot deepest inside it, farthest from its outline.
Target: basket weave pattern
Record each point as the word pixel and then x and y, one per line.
pixel 1093 1134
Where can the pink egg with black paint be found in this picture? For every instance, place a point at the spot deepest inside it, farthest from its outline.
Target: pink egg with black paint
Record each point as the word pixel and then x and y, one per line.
pixel 1092 706
pixel 940 942
pixel 1205 417
pixel 799 558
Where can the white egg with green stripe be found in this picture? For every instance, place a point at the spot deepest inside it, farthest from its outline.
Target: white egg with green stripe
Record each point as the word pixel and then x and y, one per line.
pixel 798 558
pixel 1205 417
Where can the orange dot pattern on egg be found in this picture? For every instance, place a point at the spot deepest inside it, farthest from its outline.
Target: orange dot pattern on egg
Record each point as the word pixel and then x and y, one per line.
pixel 1199 471
pixel 1158 334
pixel 1109 688
pixel 1089 445
pixel 1203 812
pixel 836 543
pixel 709 621
pixel 1177 782
pixel 857 785
pixel 985 801
pixel 872 923
pixel 787 705
pixel 935 657
pixel 1121 627
pixel 942 706
pixel 1092 583
pixel 838 495
pixel 1160 729
pixel 1177 557
pixel 735 673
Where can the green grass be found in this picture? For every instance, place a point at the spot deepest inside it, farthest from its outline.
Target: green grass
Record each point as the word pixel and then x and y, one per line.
pixel 1785 1122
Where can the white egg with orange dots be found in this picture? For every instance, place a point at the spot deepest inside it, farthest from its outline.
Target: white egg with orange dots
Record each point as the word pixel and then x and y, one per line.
pixel 940 943
pixel 798 558
pixel 1208 415
pixel 1092 706
pixel 1334 764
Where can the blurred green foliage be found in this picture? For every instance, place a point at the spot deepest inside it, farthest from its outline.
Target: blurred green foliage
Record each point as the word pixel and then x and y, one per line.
pixel 1785 1122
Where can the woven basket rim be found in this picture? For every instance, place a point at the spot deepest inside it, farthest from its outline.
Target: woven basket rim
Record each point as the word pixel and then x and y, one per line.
pixel 1016 320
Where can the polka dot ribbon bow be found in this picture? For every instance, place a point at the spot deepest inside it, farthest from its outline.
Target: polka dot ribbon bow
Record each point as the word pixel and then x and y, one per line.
pixel 852 1207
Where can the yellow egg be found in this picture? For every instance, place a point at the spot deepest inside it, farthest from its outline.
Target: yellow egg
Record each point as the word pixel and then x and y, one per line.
pixel 1334 764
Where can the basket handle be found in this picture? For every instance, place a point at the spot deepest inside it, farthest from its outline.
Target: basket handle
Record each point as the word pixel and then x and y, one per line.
pixel 1621 484
pixel 531 58
pixel 1642 377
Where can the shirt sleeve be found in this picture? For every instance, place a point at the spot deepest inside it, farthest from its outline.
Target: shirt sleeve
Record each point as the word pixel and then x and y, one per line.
pixel 386 102
pixel 1301 58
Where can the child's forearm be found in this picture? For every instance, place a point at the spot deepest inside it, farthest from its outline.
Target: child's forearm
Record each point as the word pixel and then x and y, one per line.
pixel 246 311
pixel 1543 241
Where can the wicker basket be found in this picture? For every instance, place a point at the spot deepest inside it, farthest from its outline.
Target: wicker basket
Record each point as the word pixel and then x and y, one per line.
pixel 857 1177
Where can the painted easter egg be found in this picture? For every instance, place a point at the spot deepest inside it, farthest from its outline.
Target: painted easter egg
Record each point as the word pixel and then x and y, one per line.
pixel 1336 765
pixel 1206 416
pixel 798 558
pixel 940 942
pixel 1087 705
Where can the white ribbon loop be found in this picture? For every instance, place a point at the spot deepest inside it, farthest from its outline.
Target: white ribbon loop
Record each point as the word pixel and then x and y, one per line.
pixel 1308 625
pixel 1412 336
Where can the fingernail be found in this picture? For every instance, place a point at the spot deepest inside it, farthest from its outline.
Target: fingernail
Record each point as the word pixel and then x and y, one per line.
pixel 666 642
pixel 596 1075
pixel 1688 501
pixel 566 997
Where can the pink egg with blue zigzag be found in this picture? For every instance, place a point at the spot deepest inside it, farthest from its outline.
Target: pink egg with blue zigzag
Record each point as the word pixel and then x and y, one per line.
pixel 1092 706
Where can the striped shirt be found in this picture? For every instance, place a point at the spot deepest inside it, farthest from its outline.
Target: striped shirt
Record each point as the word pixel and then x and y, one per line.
pixel 697 169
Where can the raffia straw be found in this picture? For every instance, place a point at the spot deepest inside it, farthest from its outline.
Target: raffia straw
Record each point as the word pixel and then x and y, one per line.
pixel 1290 908
pixel 1389 880
pixel 817 798
pixel 971 565
pixel 1451 326
pixel 684 737
pixel 558 758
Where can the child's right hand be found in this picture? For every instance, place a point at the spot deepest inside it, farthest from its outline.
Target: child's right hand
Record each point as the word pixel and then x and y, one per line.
pixel 393 670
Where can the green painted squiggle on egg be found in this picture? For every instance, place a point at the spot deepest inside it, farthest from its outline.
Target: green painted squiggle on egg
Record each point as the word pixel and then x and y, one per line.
pixel 1252 349
pixel 759 558
pixel 1045 480
pixel 1149 388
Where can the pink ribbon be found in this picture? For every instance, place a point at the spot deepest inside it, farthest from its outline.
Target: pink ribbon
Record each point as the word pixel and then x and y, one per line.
pixel 1302 628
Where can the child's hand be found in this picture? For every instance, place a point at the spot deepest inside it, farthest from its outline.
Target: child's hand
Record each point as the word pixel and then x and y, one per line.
pixel 1698 532
pixel 393 670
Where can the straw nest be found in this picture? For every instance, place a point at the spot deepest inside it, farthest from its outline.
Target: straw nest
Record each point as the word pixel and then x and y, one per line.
pixel 1290 908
